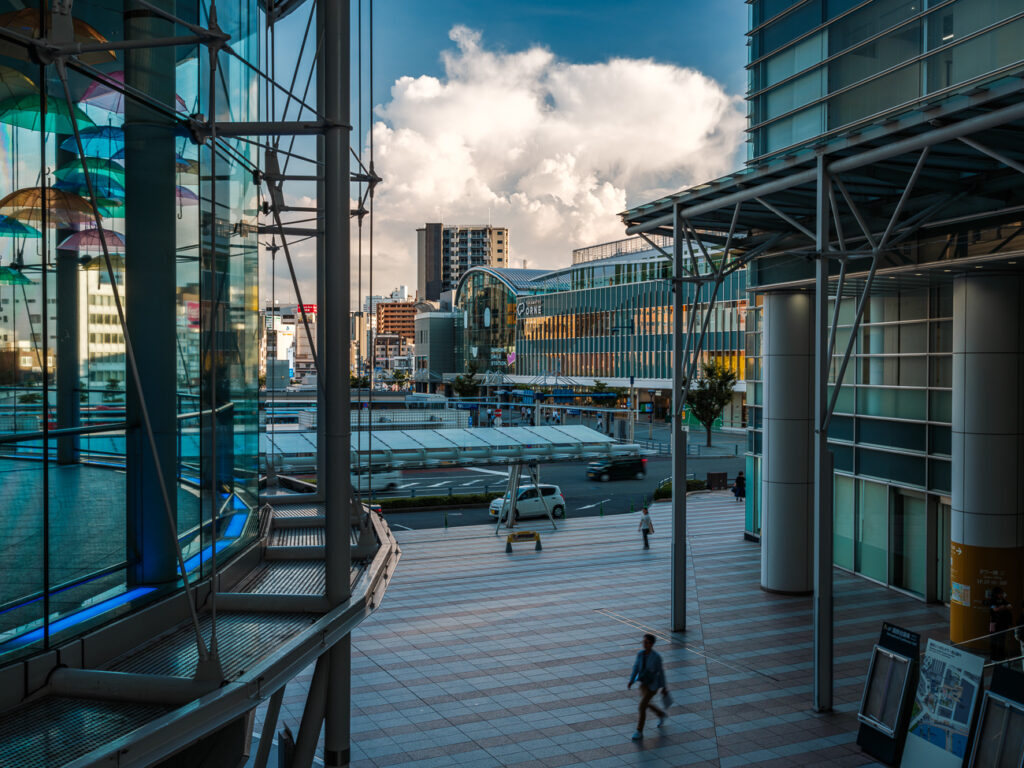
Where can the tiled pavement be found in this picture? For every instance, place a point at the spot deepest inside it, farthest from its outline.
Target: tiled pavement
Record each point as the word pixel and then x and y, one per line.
pixel 480 658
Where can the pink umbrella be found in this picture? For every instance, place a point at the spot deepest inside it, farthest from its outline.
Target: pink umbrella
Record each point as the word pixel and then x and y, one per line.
pixel 105 94
pixel 90 238
pixel 187 196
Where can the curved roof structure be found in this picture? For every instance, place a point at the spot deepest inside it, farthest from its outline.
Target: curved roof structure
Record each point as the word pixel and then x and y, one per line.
pixel 521 281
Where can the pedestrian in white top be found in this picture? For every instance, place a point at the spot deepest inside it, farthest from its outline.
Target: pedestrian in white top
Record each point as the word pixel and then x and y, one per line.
pixel 646 526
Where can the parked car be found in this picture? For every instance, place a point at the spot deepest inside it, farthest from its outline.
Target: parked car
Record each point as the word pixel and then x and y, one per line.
pixel 531 504
pixel 363 478
pixel 617 469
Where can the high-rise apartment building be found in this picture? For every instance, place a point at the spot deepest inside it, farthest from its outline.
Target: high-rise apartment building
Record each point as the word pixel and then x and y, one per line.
pixel 445 251
pixel 397 317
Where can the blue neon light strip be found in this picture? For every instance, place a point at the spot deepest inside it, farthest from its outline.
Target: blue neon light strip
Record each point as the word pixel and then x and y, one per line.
pixel 76 618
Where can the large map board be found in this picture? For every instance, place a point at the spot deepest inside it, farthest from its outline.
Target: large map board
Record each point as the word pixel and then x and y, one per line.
pixel 948 690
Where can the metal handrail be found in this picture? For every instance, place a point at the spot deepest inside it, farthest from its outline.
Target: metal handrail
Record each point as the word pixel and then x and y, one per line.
pixel 26 599
pixel 18 437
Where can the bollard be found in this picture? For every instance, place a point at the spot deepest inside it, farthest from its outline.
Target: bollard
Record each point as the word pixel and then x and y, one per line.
pixel 631 507
pixel 508 546
pixel 449 491
pixel 538 548
pixel 446 519
pixel 602 509
pixel 412 493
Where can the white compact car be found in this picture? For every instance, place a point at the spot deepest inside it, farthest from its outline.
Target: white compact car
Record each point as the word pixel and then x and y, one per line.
pixel 529 503
pixel 382 481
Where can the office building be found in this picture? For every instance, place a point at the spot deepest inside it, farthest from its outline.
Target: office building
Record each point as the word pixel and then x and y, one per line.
pixel 444 252
pixel 878 221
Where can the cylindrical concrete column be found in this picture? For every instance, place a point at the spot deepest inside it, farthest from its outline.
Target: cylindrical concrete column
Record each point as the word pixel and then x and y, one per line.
pixel 787 476
pixel 987 525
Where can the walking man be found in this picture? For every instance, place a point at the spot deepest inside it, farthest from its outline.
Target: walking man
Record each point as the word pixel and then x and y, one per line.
pixel 646 526
pixel 648 671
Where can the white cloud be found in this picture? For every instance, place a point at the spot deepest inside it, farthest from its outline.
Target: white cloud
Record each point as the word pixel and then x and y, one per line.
pixel 551 149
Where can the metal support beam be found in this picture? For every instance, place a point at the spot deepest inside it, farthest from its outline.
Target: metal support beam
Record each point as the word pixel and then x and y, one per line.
pixel 786 218
pixel 334 269
pixel 269 726
pixel 312 716
pixel 1008 162
pixel 822 462
pixel 678 435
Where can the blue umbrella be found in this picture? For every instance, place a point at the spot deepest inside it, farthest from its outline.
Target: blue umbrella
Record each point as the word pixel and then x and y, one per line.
pixel 13 228
pixel 97 141
pixel 103 186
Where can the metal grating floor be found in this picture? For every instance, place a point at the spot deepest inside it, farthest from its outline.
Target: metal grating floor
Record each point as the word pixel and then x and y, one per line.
pixel 241 637
pixel 297 537
pixel 55 731
pixel 299 510
pixel 285 577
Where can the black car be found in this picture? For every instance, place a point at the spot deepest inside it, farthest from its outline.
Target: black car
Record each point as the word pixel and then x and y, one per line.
pixel 617 469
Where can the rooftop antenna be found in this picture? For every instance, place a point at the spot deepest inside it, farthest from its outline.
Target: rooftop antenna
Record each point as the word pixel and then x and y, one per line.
pixel 524 263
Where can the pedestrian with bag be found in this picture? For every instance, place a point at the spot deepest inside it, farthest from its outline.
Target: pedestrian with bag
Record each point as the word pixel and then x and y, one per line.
pixel 739 488
pixel 649 672
pixel 1000 619
pixel 646 526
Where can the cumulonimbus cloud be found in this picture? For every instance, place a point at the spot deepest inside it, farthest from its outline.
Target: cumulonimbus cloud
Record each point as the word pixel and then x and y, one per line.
pixel 551 149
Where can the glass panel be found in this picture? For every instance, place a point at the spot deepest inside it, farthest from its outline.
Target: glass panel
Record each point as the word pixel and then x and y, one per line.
pixel 892 434
pixel 898 467
pixel 892 403
pixel 794 129
pixel 909 543
pixel 793 94
pixel 843 491
pixel 787 28
pixel 872 543
pixel 1000 734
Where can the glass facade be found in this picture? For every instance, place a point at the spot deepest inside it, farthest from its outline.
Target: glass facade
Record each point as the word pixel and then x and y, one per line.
pixel 87 528
pixel 822 66
pixel 890 435
pixel 608 318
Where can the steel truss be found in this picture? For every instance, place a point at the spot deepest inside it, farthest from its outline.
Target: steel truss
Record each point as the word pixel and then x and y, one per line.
pixel 328 123
pixel 878 189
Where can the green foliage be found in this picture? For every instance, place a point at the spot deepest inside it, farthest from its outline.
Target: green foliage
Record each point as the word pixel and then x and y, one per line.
pixel 406 502
pixel 664 491
pixel 30 397
pixel 467 385
pixel 400 378
pixel 710 393
pixel 358 382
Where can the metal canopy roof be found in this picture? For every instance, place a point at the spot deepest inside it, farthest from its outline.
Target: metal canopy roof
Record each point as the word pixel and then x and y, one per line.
pixel 972 170
pixel 427 447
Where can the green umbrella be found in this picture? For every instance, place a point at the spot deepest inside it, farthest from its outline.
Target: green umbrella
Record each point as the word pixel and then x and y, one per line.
pixel 13 228
pixel 97 167
pixel 24 112
pixel 10 276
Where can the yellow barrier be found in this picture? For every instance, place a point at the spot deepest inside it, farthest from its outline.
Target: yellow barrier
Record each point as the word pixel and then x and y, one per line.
pixel 523 536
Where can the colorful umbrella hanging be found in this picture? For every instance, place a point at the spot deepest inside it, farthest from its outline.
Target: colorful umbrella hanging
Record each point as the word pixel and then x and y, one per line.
pixel 89 239
pixel 102 186
pixel 96 166
pixel 14 84
pixel 24 111
pixel 64 209
pixel 100 263
pixel 186 196
pixel 104 141
pixel 107 94
pixel 26 22
pixel 13 228
pixel 10 276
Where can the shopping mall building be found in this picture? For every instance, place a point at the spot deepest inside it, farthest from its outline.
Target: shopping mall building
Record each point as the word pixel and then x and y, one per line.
pixel 607 318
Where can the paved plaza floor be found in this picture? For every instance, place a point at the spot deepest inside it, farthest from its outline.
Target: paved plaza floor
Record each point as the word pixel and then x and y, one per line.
pixel 481 658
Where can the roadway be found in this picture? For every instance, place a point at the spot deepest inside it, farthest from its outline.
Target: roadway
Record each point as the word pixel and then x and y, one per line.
pixel 583 497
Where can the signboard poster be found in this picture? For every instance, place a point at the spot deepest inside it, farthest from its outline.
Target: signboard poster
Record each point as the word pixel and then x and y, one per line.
pixel 948 690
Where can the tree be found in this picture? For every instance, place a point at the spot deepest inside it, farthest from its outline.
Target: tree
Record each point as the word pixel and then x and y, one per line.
pixel 467 386
pixel 113 392
pixel 400 378
pixel 358 382
pixel 710 393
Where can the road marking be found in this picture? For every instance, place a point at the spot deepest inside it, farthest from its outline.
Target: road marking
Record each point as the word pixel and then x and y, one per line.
pixel 471 482
pixel 486 471
pixel 399 525
pixel 407 485
pixel 438 485
pixel 591 506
